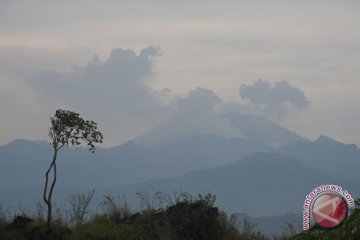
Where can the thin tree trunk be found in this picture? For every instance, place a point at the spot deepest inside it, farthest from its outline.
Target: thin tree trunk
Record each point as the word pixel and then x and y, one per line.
pixel 47 198
pixel 50 196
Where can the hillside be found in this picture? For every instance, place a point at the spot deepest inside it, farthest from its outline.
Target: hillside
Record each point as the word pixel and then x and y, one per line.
pixel 22 163
pixel 263 184
pixel 327 155
pixel 267 179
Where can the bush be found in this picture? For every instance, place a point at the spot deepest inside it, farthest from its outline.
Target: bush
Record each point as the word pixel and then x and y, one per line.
pixel 349 230
pixel 188 218
pixel 109 231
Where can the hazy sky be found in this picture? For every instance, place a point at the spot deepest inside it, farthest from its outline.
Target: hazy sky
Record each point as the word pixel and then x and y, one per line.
pixel 150 54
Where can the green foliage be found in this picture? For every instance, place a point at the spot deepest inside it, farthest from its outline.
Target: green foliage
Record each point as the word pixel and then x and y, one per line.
pixel 161 200
pixel 189 218
pixel 108 231
pixel 236 229
pixel 150 201
pixel 68 127
pixel 208 200
pixel 197 220
pixel 115 210
pixel 25 228
pixel 349 230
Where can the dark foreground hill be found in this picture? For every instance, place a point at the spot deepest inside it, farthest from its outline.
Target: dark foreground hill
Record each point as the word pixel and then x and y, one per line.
pixel 196 219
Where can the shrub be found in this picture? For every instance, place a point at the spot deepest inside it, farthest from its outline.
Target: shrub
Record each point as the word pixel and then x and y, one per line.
pixel 108 231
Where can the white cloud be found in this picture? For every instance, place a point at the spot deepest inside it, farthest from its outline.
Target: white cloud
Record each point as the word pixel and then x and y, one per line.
pixel 112 92
pixel 198 101
pixel 274 100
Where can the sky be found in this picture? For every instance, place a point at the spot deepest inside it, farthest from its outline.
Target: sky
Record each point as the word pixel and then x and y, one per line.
pixel 130 65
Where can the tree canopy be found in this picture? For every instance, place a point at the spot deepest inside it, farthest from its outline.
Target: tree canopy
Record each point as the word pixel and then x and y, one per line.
pixel 68 127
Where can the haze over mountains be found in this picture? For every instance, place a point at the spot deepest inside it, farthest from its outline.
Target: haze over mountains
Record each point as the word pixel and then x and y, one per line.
pixel 264 170
pixel 226 125
pixel 262 184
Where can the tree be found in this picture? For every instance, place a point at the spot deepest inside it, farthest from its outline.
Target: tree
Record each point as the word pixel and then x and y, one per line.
pixel 67 128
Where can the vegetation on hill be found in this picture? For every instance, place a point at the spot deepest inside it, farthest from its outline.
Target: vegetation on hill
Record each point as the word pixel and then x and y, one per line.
pixel 349 230
pixel 184 217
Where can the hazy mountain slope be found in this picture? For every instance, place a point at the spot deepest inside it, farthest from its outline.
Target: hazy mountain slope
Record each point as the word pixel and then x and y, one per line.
pixel 226 125
pixel 183 125
pixel 262 184
pixel 23 163
pixel 262 129
pixel 327 155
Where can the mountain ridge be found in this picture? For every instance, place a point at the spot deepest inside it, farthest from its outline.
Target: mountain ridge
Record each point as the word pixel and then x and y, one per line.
pixel 229 124
pixel 241 183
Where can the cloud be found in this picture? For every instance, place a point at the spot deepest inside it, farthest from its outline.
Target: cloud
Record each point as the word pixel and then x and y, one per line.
pixel 114 91
pixel 195 114
pixel 123 70
pixel 198 101
pixel 274 100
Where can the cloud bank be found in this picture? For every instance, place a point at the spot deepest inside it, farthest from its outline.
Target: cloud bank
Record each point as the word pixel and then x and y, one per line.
pixel 198 101
pixel 114 91
pixel 273 100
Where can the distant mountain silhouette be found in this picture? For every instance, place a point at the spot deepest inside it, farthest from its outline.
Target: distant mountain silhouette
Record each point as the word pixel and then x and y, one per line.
pixel 23 163
pixel 328 155
pixel 263 184
pixel 225 125
pixel 262 129
pixel 247 173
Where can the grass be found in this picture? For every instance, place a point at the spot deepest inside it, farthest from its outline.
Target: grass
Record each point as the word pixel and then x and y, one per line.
pixel 180 218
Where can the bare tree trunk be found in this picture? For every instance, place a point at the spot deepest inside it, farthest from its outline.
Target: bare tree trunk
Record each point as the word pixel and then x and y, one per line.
pixel 47 197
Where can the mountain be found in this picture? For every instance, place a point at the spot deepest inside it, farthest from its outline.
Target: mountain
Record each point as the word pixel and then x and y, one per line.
pixel 262 184
pixel 262 129
pixel 186 147
pixel 225 125
pixel 327 155
pixel 183 125
pixel 196 163
pixel 23 163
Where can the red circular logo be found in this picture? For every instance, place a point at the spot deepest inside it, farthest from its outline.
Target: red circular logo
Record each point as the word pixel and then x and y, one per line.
pixel 329 210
